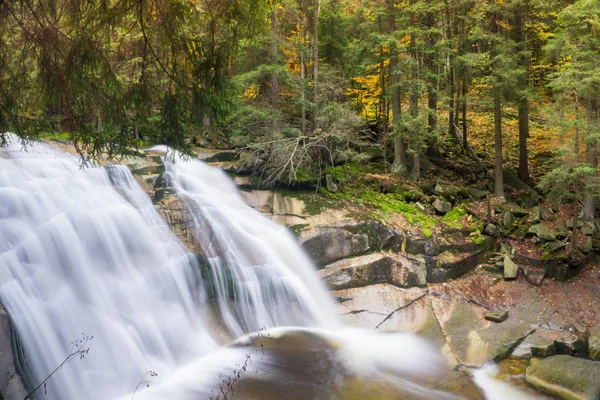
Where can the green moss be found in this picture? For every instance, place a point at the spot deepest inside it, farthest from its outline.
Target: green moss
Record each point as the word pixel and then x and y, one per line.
pixel 477 237
pixel 64 136
pixel 297 229
pixel 427 232
pixel 452 218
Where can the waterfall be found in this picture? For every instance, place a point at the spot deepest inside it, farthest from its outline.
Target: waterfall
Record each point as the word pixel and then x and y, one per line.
pixel 83 251
pixel 273 282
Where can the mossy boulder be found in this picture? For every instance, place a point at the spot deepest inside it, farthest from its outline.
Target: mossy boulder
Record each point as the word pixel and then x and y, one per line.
pixel 566 377
pixel 542 232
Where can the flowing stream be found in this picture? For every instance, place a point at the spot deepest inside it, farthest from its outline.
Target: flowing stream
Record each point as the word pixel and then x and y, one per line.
pixel 83 252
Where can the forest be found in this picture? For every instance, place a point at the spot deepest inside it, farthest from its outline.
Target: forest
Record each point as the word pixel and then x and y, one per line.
pixel 310 85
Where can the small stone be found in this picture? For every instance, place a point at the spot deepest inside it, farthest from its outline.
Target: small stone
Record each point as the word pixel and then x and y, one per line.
pixel 330 184
pixel 594 344
pixel 500 264
pixel 587 246
pixel 536 215
pixel 587 230
pixel 563 231
pixel 491 230
pixel 535 276
pixel 496 316
pixel 477 194
pixel 420 207
pixel 510 268
pixel 442 206
pixel 508 219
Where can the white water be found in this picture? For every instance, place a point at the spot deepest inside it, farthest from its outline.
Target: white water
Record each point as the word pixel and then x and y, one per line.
pixel 84 251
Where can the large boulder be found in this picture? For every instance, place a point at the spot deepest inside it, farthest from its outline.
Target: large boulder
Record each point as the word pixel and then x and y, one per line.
pixel 11 386
pixel 375 268
pixel 328 244
pixel 567 377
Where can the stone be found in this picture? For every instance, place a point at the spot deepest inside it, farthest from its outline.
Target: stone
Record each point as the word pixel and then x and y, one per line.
pixel 508 219
pixel 563 231
pixel 511 269
pixel 587 245
pixel 288 205
pixel 490 230
pixel 420 207
pixel 448 192
pixel 542 232
pixel 566 377
pixel 528 197
pixel 11 386
pixel 497 316
pixel 535 345
pixel 587 230
pixel 395 269
pixel 580 223
pixel 534 275
pixel 536 215
pixel 330 184
pixel 594 344
pixel 332 243
pixel 477 194
pixel 442 206
pixel 554 247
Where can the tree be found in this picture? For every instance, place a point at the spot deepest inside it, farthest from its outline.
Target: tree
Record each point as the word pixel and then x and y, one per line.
pixel 577 49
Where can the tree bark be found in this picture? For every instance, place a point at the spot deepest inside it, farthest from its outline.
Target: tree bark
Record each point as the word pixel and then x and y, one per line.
pixel 499 181
pixel 315 49
pixel 399 146
pixel 523 106
pixel 301 34
pixel 274 77
pixel 592 157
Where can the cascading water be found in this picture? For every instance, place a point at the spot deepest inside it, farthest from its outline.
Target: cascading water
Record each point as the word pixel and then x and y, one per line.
pixel 273 282
pixel 84 250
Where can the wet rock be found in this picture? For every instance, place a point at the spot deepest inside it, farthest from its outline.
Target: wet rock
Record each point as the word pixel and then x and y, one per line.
pixel 567 377
pixel 288 205
pixel 535 345
pixel 475 341
pixel 442 206
pixel 11 386
pixel 497 316
pixel 261 200
pixel 511 270
pixel 330 184
pixel 375 268
pixel 542 232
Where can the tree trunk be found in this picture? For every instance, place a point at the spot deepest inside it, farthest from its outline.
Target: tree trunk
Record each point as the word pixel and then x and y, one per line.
pixel 574 236
pixel 315 49
pixel 523 100
pixel 463 105
pixel 274 77
pixel 592 157
pixel 302 74
pixel 414 99
pixel 399 146
pixel 499 184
